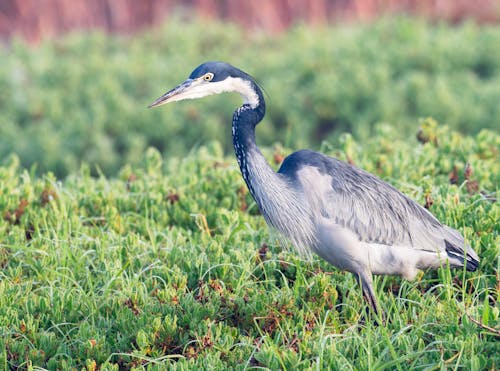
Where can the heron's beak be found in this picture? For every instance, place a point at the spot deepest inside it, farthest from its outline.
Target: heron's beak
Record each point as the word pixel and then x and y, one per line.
pixel 180 92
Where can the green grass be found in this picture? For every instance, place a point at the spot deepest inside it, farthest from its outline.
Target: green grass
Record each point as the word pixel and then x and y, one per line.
pixel 169 264
pixel 84 97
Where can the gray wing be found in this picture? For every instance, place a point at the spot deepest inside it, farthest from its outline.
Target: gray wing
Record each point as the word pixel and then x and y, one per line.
pixel 373 209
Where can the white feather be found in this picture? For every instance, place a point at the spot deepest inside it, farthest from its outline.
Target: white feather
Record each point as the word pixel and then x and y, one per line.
pixel 234 84
pixel 200 88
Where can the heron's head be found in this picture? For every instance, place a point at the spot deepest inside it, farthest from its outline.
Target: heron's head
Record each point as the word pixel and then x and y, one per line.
pixel 213 78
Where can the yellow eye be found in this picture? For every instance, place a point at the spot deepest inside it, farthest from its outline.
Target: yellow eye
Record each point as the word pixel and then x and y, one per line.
pixel 208 76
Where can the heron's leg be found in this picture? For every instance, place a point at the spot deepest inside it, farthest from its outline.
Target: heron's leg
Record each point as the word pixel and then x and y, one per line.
pixel 366 282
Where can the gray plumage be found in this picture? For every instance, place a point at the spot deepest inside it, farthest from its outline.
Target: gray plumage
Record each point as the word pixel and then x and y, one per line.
pixel 347 216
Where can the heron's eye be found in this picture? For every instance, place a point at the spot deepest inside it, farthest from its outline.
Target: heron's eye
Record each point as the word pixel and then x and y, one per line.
pixel 208 76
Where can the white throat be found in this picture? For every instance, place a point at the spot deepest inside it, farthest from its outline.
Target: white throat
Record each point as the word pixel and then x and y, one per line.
pixel 237 85
pixel 200 88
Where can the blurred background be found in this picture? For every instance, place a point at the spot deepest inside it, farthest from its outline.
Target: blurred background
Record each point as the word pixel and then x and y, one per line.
pixel 76 76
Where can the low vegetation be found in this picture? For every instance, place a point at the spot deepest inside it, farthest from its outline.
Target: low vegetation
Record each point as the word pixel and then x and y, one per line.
pixel 168 264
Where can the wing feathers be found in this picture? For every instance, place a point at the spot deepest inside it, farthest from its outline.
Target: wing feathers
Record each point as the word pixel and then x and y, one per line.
pixel 373 209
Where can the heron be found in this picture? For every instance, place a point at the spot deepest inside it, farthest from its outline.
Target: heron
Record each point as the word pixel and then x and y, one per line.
pixel 347 216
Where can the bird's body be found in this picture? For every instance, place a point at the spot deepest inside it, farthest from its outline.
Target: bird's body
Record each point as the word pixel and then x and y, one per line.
pixel 347 216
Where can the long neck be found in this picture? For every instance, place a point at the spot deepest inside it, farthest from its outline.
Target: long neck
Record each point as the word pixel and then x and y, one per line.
pixel 249 157
pixel 280 204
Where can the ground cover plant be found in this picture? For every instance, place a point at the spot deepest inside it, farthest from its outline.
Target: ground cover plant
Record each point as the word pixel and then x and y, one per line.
pixel 168 264
pixel 83 98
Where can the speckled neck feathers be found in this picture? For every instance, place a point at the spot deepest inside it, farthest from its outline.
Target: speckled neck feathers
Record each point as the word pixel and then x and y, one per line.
pixel 271 191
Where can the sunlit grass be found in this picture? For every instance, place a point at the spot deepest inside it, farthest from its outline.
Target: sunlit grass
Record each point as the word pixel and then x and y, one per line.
pixel 170 265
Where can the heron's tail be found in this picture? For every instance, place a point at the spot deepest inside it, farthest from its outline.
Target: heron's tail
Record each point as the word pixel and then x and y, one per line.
pixel 459 251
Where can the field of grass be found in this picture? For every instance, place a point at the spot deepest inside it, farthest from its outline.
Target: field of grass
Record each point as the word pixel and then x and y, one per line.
pixel 168 264
pixel 84 98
